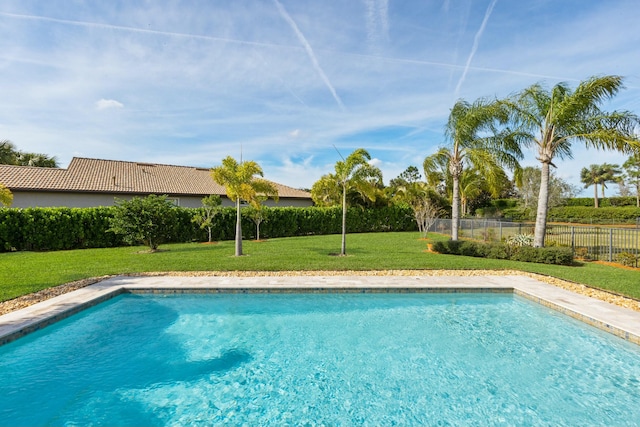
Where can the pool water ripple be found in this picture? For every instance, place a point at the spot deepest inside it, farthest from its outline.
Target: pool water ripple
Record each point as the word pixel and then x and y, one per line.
pixel 320 359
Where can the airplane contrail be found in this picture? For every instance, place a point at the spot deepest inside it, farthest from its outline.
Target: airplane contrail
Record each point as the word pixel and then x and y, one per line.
pixel 307 48
pixel 142 30
pixel 476 41
pixel 377 20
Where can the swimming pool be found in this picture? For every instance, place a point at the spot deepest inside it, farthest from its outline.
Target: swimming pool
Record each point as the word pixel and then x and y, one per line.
pixel 320 359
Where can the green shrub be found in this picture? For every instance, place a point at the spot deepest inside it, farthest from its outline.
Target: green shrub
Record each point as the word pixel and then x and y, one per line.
pixel 498 251
pixel 627 258
pixel 469 248
pixel 583 253
pixel 149 220
pixel 555 255
pixel 520 240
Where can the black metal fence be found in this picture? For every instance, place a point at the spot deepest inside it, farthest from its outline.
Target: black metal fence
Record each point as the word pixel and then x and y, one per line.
pixel 587 242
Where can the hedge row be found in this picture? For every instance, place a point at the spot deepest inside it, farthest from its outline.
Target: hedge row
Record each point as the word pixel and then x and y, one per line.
pixel 75 228
pixel 604 215
pixel 548 255
pixel 604 202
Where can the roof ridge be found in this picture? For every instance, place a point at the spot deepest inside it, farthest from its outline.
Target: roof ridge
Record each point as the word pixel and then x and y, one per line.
pixel 137 162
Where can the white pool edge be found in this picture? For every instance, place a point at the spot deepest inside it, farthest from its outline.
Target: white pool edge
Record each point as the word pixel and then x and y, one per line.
pixel 620 321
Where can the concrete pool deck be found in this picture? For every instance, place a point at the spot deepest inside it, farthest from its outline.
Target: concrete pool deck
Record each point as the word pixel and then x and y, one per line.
pixel 619 321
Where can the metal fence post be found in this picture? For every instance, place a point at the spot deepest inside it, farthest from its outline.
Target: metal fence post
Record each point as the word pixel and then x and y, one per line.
pixel 573 239
pixel 610 244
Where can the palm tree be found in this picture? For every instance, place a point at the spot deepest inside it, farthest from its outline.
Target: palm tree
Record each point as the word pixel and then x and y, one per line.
pixel 473 140
pixel 8 153
pixel 353 173
pixel 592 176
pixel 6 198
pixel 551 120
pixel 240 183
pixel 632 171
pixel 471 184
pixel 610 173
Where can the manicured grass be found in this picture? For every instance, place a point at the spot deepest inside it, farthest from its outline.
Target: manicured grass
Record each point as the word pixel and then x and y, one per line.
pixel 25 272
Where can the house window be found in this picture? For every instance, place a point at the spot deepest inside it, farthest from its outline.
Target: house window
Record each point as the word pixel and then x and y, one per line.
pixel 174 200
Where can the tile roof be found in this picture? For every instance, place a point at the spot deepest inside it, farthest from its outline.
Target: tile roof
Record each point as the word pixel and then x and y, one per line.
pixel 113 176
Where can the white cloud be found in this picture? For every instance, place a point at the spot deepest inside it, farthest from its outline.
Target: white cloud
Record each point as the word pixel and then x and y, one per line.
pixel 198 83
pixel 105 104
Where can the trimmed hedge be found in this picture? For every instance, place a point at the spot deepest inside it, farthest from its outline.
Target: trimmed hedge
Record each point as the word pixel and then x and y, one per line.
pixel 40 229
pixel 548 255
pixel 604 215
pixel 496 208
pixel 603 202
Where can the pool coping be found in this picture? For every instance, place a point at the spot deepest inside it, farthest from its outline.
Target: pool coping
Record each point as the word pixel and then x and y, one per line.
pixel 620 321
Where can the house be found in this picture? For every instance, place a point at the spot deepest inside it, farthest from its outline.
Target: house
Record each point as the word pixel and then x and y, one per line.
pixel 97 182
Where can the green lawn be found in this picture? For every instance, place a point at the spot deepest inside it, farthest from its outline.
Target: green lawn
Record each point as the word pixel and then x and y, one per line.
pixel 26 272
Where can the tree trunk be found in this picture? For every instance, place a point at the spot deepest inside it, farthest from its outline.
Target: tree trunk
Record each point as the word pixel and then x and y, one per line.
pixel 343 248
pixel 238 229
pixel 209 231
pixel 543 203
pixel 455 208
pixel 595 195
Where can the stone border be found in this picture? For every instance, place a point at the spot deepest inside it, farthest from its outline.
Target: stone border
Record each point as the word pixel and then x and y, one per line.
pixel 619 321
pixel 36 297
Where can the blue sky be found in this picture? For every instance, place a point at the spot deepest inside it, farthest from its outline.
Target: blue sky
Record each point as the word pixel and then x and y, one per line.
pixel 190 82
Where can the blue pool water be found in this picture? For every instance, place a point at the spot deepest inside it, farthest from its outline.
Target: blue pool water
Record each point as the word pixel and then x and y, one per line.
pixel 320 359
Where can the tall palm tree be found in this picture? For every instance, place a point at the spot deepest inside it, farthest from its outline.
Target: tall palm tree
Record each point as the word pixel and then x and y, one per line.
pixel 592 176
pixel 474 140
pixel 354 173
pixel 551 120
pixel 609 173
pixel 632 171
pixel 241 183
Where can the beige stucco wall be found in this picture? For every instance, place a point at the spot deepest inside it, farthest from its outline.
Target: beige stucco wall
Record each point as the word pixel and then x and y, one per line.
pixel 27 199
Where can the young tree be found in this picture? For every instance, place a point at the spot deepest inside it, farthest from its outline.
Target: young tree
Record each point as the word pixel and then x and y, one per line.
pixel 473 139
pixel 551 120
pixel 146 220
pixel 592 176
pixel 210 208
pixel 632 171
pixel 241 183
pixel 424 201
pixel 258 214
pixel 408 176
pixel 351 174
pixel 6 198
